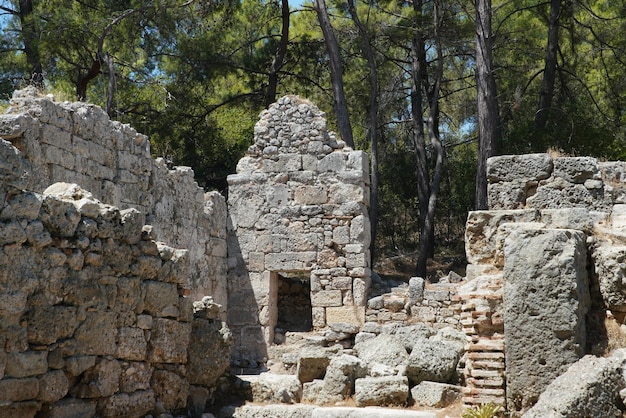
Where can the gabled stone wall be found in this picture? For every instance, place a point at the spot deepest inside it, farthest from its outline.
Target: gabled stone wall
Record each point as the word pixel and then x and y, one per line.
pixel 78 143
pixel 297 205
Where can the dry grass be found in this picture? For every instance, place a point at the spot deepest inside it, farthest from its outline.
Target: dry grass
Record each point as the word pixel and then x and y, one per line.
pixel 616 337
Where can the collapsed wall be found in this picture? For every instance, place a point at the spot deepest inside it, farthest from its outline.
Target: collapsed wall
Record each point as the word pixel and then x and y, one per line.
pixel 297 213
pixel 546 259
pixel 78 143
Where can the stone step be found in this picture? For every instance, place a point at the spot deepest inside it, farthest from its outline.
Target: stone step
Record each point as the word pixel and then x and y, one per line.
pixel 310 411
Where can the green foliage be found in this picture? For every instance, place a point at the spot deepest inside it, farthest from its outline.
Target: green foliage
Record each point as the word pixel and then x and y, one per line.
pixel 488 410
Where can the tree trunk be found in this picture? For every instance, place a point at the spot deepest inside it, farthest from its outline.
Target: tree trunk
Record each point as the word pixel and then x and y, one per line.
pixel 372 130
pixel 30 38
pixel 277 62
pixel 549 71
pixel 487 100
pixel 336 73
pixel 427 190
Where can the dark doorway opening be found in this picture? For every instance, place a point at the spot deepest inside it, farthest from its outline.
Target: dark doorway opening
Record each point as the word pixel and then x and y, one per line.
pixel 294 302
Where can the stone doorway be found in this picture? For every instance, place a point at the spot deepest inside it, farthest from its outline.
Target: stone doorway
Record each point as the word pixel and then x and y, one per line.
pixel 294 302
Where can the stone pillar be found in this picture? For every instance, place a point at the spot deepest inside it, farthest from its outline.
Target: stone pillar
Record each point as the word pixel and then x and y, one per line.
pixel 546 297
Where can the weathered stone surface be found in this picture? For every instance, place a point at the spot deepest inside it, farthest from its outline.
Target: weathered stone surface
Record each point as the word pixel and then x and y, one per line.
pixel 276 388
pixel 170 389
pixel 53 386
pixel 408 334
pixel 169 341
pixel 431 360
pixel 72 408
pixel 16 390
pixel 610 267
pixel 369 412
pixel 209 351
pixel 515 167
pixel 482 228
pixel 312 364
pixel 381 391
pixel 435 394
pixel 385 349
pixel 28 363
pixel 267 411
pixel 100 381
pixel 546 297
pixel 589 387
pixel 340 376
pixel 134 405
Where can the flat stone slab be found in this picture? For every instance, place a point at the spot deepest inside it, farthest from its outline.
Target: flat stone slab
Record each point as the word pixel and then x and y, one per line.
pixel 369 412
pixel 310 411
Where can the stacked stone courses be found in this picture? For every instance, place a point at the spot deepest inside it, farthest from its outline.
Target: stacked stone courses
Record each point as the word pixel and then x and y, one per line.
pixel 78 143
pixel 298 203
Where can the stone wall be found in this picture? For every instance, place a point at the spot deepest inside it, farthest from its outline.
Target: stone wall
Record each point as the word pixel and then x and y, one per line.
pixel 297 206
pixel 93 318
pixel 544 262
pixel 78 143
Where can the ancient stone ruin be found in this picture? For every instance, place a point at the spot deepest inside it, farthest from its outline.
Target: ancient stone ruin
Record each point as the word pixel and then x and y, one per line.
pixel 298 220
pixel 126 290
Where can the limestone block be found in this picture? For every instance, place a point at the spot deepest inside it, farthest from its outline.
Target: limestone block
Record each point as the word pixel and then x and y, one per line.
pixel 546 297
pixel 590 387
pixel 36 235
pixel 341 235
pixel 59 216
pixel 176 269
pixel 136 404
pixel 319 316
pixel 435 395
pixel 209 352
pixel 24 205
pixel 169 341
pixel 312 363
pixel 131 344
pixel 311 195
pixel 170 389
pixel 481 231
pixel 53 386
pixel 277 195
pixel 381 391
pixel 47 324
pixel 360 230
pixel 408 335
pixel 358 260
pixel 27 363
pixel 360 287
pixel 341 373
pixel 569 218
pixel 11 165
pixel 299 243
pixel 349 314
pixel 72 407
pixel 431 360
pixel 97 334
pixel 135 376
pixel 290 261
pixel 159 296
pixel 503 231
pixel 26 409
pixel 335 161
pixel 384 349
pixel 326 298
pixel 78 364
pixel 343 193
pixel 101 380
pixel 16 390
pixel 610 266
pixel 416 289
pixel 561 194
pixel 276 388
pixel 576 169
pixel 512 167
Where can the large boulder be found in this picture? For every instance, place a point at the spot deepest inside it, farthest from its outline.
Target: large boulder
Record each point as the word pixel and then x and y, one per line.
pixel 432 360
pixel 435 394
pixel 589 388
pixel 385 349
pixel 341 374
pixel 381 391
